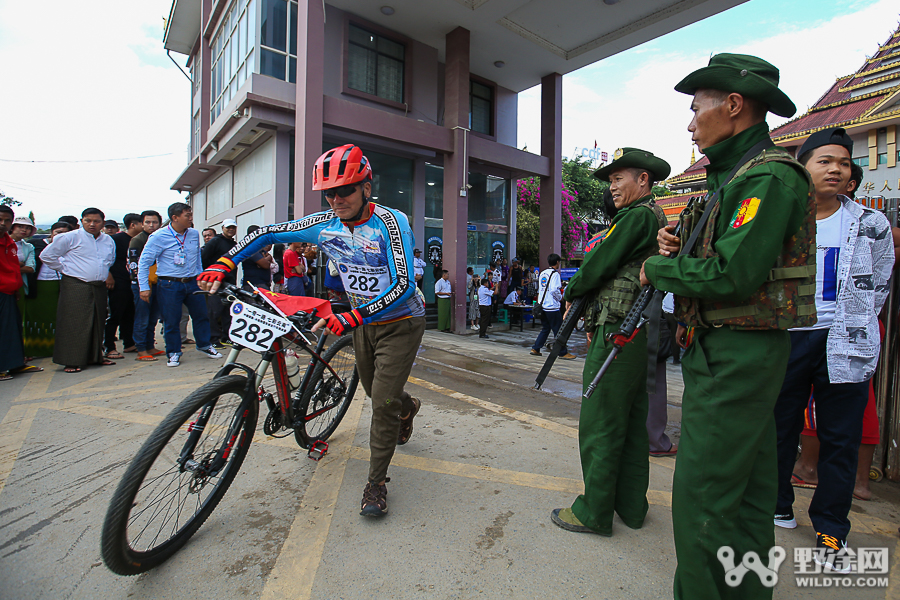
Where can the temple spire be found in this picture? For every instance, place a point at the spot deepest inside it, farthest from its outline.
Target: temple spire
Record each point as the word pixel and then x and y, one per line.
pixel 693 156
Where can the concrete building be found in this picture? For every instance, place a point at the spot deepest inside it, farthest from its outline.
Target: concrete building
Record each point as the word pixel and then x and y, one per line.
pixel 428 89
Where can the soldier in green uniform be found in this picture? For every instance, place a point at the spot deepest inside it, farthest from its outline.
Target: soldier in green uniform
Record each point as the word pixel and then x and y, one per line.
pixel 612 430
pixel 749 278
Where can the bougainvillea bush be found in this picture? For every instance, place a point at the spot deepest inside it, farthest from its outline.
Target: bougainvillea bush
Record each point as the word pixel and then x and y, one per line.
pixel 528 221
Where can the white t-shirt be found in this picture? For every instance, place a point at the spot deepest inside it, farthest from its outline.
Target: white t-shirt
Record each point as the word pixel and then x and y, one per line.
pixel 442 286
pixel 831 233
pixel 553 297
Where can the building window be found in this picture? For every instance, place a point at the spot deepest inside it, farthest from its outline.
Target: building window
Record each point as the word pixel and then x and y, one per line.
pixel 863 161
pixel 375 65
pixel 232 52
pixel 882 158
pixel 195 135
pixel 481 108
pixel 278 40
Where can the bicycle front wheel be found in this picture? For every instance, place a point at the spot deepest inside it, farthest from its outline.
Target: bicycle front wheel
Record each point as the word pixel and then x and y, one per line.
pixel 179 476
pixel 327 398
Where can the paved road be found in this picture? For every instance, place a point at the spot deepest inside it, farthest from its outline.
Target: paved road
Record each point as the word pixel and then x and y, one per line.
pixel 469 499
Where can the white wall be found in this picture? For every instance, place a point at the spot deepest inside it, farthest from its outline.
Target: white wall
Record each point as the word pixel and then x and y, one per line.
pixel 218 196
pixel 254 175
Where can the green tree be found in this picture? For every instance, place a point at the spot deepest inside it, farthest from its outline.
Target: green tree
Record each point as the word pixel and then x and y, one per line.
pixel 578 176
pixel 31 215
pixel 8 200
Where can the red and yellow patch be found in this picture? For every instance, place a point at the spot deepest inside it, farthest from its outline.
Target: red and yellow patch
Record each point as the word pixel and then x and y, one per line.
pixel 745 212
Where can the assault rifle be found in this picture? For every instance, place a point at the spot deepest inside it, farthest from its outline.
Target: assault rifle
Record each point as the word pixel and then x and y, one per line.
pixel 562 336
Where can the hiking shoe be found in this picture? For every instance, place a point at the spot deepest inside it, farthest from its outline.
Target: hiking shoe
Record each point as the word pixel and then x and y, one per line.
pixel 174 360
pixel 786 520
pixel 831 552
pixel 535 352
pixel 210 352
pixel 406 424
pixel 374 500
pixel 568 356
pixel 219 346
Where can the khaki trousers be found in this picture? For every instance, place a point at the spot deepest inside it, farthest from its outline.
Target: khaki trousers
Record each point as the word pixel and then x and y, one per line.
pixel 384 359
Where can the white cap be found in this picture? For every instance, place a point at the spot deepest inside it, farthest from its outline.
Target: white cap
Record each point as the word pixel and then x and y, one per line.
pixel 229 223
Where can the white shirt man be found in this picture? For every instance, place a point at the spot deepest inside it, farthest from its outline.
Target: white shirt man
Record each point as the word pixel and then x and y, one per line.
pixel 442 288
pixel 80 255
pixel 485 298
pixel 418 266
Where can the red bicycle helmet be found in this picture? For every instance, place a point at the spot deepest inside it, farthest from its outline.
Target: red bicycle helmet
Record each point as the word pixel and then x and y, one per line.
pixel 339 166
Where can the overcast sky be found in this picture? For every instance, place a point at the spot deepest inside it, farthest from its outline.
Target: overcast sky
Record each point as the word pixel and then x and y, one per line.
pixel 629 100
pixel 90 81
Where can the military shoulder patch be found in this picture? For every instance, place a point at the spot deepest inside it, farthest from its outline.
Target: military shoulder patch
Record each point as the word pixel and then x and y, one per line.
pixel 745 212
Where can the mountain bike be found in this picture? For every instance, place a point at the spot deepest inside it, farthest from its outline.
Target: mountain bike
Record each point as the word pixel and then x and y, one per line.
pixel 187 464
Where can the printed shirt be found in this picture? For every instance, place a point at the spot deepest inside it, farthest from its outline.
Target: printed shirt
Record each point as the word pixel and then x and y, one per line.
pixel 80 255
pixel 864 267
pixel 554 295
pixel 10 270
pixel 163 248
pixel 374 260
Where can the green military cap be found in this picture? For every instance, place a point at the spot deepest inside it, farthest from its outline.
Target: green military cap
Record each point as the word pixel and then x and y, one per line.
pixel 635 158
pixel 744 74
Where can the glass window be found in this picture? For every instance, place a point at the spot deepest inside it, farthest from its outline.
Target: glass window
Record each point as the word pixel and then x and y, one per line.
pixel 481 108
pixel 272 63
pixel 393 182
pixel 488 199
pixel 279 24
pixel 434 191
pixel 231 49
pixel 882 159
pixel 862 161
pixel 375 64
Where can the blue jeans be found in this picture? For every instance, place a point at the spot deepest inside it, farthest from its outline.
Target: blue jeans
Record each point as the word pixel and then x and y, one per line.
pixel 146 315
pixel 551 319
pixel 172 294
pixel 839 415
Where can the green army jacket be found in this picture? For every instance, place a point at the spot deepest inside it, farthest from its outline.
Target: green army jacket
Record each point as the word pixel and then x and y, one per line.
pixel 631 237
pixel 746 248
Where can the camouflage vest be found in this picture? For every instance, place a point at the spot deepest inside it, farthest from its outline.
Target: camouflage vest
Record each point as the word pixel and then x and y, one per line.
pixel 613 301
pixel 788 296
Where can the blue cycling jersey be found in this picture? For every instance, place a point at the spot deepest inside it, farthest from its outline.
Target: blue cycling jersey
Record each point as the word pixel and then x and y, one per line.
pixel 374 260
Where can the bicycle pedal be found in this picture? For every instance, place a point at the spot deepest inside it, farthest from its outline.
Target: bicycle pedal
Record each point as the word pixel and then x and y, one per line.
pixel 318 450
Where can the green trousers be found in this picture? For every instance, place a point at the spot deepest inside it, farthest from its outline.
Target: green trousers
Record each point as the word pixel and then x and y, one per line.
pixel 384 360
pixel 726 481
pixel 443 306
pixel 612 436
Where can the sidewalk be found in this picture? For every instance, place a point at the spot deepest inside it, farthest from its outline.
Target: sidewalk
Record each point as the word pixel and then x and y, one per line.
pixel 505 356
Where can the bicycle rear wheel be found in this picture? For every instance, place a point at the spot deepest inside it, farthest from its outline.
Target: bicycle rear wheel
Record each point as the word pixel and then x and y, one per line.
pixel 327 398
pixel 179 476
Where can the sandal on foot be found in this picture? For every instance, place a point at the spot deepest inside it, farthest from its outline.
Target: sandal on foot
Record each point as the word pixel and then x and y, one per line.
pixel 130 350
pixel 72 370
pixel 106 363
pixel 156 352
pixel 565 518
pixel 27 369
pixel 798 482
pixel 406 423
pixel 114 355
pixel 146 358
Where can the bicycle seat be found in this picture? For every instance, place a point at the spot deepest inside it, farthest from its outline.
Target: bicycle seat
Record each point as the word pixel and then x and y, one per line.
pixel 340 306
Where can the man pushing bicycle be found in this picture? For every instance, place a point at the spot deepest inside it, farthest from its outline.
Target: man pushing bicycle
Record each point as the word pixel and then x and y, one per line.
pixel 373 248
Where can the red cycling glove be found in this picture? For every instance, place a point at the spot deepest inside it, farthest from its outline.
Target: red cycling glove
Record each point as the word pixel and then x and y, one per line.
pixel 342 323
pixel 214 272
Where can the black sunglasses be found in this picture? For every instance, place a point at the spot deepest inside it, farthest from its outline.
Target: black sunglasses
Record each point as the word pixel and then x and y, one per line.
pixel 343 191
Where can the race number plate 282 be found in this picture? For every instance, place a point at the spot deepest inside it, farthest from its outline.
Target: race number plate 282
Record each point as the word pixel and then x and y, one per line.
pixel 255 329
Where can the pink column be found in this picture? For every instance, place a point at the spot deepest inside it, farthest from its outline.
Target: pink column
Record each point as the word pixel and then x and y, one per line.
pixel 551 147
pixel 309 116
pixel 204 73
pixel 456 203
